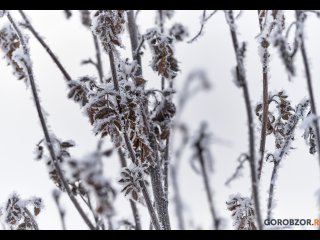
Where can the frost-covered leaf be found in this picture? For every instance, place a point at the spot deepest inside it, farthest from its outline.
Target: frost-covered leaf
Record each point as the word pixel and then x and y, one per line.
pixel 108 25
pixel 163 59
pixel 17 215
pixel 11 47
pixel 243 213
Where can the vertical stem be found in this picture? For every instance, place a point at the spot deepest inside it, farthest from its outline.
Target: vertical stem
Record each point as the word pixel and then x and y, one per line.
pixel 45 129
pixel 133 32
pixel 177 198
pixel 271 189
pixel 265 103
pixel 166 154
pixel 156 179
pixel 152 213
pixel 166 167
pixel 98 57
pixel 160 194
pixel 161 25
pixel 128 144
pixel 96 218
pixel 243 82
pixel 60 210
pixel 215 219
pixel 136 215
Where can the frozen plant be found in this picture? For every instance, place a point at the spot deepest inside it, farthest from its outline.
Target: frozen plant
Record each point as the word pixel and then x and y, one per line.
pixel 243 213
pixel 17 213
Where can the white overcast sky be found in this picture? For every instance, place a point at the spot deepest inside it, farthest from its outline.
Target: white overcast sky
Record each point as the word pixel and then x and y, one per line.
pixel 223 107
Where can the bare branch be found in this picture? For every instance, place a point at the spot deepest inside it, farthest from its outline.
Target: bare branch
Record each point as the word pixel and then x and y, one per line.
pixel 45 128
pixel 204 20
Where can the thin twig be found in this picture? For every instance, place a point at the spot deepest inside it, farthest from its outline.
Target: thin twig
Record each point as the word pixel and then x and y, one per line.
pixel 200 154
pixel 160 194
pixel 56 197
pixel 45 46
pixel 174 172
pixel 89 205
pixel 34 222
pixel 243 84
pixel 238 169
pixel 133 32
pixel 203 22
pixel 265 97
pixel 137 51
pixel 45 128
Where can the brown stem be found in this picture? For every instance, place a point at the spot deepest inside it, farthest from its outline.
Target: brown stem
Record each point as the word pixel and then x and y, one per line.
pixel 243 83
pixel 45 128
pixel 265 103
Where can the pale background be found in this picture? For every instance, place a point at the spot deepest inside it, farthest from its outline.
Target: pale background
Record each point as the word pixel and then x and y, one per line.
pixel 223 107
